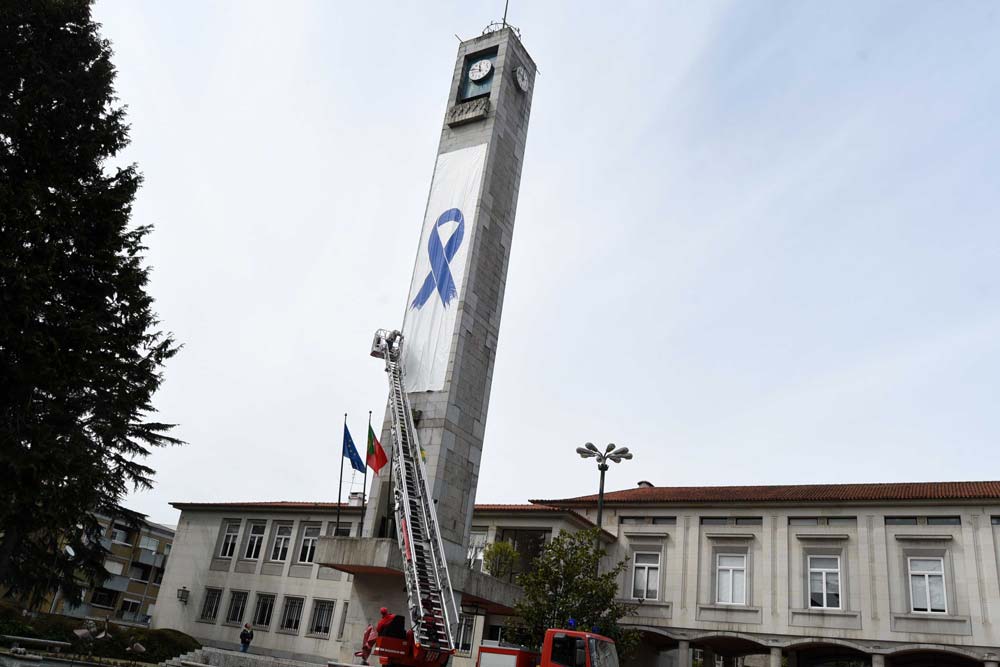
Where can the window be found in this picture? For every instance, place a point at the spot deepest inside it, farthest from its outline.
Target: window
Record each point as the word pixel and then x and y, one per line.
pixel 282 538
pixel 113 566
pixel 824 582
pixel 310 535
pixel 468 88
pixel 646 576
pixel 927 593
pixel 466 625
pixel 749 521
pixel 714 521
pixel 731 579
pixel 569 651
pixel 340 529
pixel 343 620
pixel 944 521
pixel 322 617
pixel 139 572
pixel 603 654
pixel 803 521
pixel 166 550
pixel 901 521
pixel 119 534
pixel 237 605
pixel 842 520
pixel 254 541
pixel 151 543
pixel 262 611
pixel 494 633
pixel 210 606
pixel 477 542
pixel 228 547
pixel 158 576
pixel 632 520
pixel 291 614
pixel 104 598
pixel 995 520
pixel 664 521
pixel 130 606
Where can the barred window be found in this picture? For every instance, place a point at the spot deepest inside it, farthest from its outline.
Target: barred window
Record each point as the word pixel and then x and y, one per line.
pixel 291 615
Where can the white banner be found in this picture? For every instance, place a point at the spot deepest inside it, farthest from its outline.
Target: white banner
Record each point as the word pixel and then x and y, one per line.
pixel 439 273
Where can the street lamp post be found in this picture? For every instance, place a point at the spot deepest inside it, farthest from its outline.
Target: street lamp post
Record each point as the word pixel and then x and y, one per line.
pixel 590 451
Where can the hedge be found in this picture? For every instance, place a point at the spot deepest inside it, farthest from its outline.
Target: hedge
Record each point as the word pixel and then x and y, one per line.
pixel 160 645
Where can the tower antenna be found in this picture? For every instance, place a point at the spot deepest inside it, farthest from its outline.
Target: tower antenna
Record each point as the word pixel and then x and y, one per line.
pixel 505 3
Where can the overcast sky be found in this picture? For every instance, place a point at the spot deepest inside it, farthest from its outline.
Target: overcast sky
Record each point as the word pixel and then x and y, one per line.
pixel 757 242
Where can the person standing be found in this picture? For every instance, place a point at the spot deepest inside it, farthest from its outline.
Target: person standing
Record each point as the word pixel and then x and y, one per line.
pixel 245 638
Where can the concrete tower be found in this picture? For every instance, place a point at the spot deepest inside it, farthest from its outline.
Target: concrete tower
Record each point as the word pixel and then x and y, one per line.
pixel 452 318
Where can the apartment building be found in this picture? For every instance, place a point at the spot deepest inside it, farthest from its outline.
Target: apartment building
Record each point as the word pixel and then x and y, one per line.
pixel 136 562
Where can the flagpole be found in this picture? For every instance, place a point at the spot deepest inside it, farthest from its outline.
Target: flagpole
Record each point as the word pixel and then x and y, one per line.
pixel 340 481
pixel 364 486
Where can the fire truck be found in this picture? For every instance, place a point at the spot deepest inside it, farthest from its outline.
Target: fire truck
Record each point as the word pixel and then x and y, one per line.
pixel 431 608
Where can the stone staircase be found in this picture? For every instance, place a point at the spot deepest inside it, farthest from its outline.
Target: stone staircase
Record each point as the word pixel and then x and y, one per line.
pixel 198 655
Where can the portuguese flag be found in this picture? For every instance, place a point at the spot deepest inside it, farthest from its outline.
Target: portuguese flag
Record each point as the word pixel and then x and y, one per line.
pixel 376 455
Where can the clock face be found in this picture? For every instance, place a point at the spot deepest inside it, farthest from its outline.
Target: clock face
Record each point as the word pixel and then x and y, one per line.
pixel 521 75
pixel 480 70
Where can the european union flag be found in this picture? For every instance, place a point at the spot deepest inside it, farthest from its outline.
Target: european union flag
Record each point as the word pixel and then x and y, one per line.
pixel 351 452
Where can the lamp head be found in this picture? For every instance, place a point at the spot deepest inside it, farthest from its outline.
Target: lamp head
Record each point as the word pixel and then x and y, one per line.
pixel 585 453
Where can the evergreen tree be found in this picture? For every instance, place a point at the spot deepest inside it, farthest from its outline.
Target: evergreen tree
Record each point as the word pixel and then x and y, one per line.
pixel 563 588
pixel 80 351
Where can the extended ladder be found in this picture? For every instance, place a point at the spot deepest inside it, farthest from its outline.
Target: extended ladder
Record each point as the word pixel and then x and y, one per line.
pixel 431 602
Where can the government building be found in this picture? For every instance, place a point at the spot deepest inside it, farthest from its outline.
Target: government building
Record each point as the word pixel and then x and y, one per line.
pixel 898 575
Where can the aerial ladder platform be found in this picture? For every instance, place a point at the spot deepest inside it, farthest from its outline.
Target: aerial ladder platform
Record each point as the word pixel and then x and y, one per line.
pixel 433 614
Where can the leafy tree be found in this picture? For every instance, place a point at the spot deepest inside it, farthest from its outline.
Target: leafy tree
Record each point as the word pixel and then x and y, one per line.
pixel 563 587
pixel 80 351
pixel 499 558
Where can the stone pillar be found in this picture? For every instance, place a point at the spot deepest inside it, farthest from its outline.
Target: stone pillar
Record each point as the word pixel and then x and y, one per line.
pixel 878 660
pixel 683 653
pixel 775 657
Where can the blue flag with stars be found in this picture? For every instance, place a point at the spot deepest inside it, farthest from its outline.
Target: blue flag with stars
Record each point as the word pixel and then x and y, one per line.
pixel 351 452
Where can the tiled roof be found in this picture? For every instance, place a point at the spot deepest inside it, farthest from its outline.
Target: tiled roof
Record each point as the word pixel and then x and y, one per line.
pixel 799 493
pixel 291 504
pixel 494 507
pixel 268 505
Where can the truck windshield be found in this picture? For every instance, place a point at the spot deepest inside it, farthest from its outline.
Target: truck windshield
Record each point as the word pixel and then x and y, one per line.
pixel 602 653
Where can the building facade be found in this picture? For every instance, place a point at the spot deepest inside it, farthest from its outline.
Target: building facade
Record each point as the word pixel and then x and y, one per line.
pixel 898 574
pixel 257 563
pixel 870 574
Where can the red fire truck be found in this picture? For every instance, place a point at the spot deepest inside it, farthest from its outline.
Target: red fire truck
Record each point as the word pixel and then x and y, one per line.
pixel 561 648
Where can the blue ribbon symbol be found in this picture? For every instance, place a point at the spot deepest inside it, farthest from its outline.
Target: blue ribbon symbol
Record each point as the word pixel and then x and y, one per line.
pixel 439 278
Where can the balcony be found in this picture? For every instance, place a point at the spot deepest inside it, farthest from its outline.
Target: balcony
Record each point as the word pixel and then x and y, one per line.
pixel 151 558
pixel 380 557
pixel 116 582
pixel 133 617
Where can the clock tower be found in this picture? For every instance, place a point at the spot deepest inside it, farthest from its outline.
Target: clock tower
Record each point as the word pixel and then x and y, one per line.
pixel 451 321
